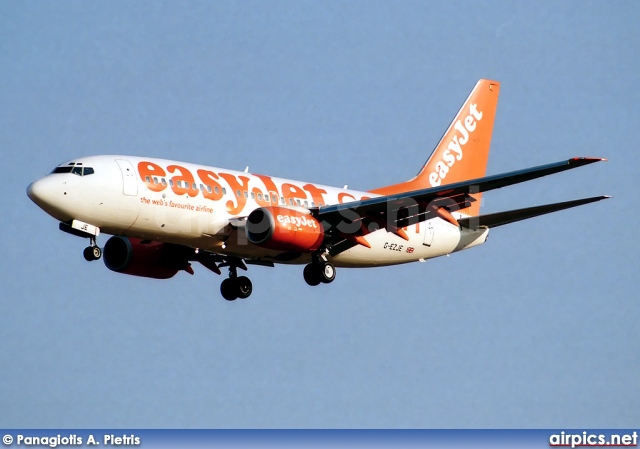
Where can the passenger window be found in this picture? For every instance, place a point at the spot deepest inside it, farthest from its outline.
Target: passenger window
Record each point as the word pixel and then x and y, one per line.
pixel 306 204
pixel 282 200
pixel 238 193
pixel 274 199
pixel 155 180
pixel 291 203
pixel 224 190
pixel 246 195
pixel 209 189
pixel 253 196
pixel 164 182
pixel 147 179
pixel 170 182
pixel 215 189
pixel 194 186
pixel 299 202
pixel 259 196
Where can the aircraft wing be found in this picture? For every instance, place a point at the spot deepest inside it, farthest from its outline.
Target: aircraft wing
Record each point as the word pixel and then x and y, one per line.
pixel 399 210
pixel 511 216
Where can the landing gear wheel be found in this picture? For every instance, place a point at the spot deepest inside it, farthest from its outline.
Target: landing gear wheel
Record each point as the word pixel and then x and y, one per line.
pixel 311 275
pixel 97 252
pixel 243 287
pixel 92 253
pixel 327 272
pixel 315 273
pixel 229 290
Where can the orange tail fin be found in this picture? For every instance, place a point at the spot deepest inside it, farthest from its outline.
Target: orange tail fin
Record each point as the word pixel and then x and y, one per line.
pixel 463 151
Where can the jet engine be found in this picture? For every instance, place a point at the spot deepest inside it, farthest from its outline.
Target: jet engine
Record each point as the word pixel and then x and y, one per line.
pixel 284 229
pixel 145 258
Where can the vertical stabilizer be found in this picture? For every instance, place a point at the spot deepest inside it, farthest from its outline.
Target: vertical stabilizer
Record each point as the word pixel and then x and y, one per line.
pixel 463 151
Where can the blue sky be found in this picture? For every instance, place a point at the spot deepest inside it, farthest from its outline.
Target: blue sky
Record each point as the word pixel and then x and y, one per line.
pixel 537 328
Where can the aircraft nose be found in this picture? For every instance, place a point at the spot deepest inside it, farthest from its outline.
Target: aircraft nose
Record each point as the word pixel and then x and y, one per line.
pixel 48 195
pixel 34 192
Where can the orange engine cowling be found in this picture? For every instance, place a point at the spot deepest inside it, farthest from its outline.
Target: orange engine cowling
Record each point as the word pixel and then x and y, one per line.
pixel 284 229
pixel 144 258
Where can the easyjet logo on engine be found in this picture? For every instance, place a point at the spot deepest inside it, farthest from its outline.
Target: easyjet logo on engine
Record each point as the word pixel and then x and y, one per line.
pixel 454 152
pixel 297 221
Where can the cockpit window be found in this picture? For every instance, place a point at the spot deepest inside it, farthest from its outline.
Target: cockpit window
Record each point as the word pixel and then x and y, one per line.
pixel 74 168
pixel 62 170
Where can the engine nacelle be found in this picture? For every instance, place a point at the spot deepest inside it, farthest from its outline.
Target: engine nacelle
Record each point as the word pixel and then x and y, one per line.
pixel 284 229
pixel 142 258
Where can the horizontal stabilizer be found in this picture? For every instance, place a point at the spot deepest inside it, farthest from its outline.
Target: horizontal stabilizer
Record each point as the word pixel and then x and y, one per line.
pixel 511 216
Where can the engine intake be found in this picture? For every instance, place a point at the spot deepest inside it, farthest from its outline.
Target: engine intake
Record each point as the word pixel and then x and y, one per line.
pixel 284 229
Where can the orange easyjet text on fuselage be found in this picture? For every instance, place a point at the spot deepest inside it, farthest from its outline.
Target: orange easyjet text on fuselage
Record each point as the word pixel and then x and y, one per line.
pixel 213 185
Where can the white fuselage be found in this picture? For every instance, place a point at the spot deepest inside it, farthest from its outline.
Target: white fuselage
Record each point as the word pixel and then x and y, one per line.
pixel 203 207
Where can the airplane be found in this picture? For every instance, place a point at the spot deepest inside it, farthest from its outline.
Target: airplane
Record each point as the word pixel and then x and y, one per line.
pixel 163 215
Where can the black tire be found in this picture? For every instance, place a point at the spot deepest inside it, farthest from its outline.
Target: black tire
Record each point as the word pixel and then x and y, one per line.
pixel 327 272
pixel 88 254
pixel 228 289
pixel 311 275
pixel 243 287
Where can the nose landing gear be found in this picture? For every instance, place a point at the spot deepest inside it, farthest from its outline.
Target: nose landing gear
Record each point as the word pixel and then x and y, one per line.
pixel 81 229
pixel 92 252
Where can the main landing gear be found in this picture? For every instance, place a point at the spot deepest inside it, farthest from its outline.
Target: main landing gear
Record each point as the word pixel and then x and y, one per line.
pixel 321 271
pixel 235 286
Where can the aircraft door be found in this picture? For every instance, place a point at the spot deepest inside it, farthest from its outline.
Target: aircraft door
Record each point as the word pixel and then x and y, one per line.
pixel 130 184
pixel 429 231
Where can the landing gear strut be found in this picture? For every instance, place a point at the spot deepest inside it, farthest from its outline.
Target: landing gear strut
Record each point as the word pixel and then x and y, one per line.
pixel 235 286
pixel 92 252
pixel 321 271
